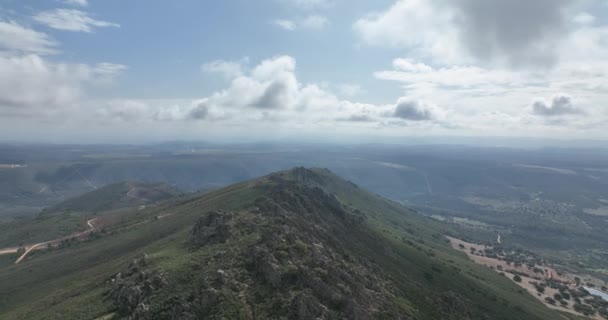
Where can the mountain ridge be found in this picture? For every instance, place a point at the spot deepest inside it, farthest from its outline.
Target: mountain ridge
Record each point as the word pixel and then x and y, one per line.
pixel 298 244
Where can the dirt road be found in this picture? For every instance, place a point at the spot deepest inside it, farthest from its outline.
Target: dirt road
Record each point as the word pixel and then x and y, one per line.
pixel 52 243
pixel 9 250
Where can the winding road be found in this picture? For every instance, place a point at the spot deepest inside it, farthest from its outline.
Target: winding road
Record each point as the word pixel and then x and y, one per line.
pixel 51 243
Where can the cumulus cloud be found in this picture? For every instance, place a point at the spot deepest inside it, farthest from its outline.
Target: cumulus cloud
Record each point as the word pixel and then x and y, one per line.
pixel 517 33
pixel 270 85
pixel 71 20
pixel 31 82
pixel 18 39
pixel 201 111
pixel 560 105
pixel 520 32
pixel 419 25
pixel 266 92
pixel 414 110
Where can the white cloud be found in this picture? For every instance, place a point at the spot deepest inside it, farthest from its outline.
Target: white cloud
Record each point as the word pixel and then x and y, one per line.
pixel 312 22
pixel 419 75
pixel 416 24
pixel 515 33
pixel 309 4
pixel 71 20
pixel 16 38
pixel 584 18
pixel 228 69
pixel 267 92
pixel 498 100
pixel 30 83
pixel 107 69
pixel 269 97
pixel 82 3
pixel 285 24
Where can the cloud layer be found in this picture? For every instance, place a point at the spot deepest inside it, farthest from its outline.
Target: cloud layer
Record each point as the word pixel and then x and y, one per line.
pixel 469 67
pixel 515 33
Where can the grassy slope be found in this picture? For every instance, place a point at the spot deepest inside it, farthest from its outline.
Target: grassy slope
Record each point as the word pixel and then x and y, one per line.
pixel 114 196
pixel 71 215
pixel 69 283
pixel 39 229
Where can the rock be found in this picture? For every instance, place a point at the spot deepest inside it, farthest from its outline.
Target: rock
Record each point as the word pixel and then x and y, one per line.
pixel 212 228
pixel 265 266
pixel 304 307
pixel 130 290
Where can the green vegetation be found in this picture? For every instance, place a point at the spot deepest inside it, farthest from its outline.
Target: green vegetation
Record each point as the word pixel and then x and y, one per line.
pixel 115 196
pixel 40 229
pixel 302 240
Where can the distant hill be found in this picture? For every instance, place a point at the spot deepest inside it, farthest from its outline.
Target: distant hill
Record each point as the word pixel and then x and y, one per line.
pixel 299 244
pixel 116 196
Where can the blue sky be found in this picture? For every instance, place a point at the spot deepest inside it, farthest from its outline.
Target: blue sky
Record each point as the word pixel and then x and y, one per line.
pixel 164 42
pixel 166 70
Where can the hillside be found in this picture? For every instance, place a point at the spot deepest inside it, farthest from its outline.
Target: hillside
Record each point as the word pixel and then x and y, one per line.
pixel 116 196
pixel 299 244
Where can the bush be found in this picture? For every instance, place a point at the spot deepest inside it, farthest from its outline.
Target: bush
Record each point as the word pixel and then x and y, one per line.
pixel 584 309
pixel 517 278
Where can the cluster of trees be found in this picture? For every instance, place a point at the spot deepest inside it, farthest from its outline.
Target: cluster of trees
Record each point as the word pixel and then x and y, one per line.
pixel 583 302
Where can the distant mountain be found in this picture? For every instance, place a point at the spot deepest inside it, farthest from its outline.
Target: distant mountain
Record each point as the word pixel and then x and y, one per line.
pixel 116 196
pixel 298 244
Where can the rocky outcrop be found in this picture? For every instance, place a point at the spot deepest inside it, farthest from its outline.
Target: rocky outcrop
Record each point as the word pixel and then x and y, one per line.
pixel 131 289
pixel 212 228
pixel 265 266
pixel 286 256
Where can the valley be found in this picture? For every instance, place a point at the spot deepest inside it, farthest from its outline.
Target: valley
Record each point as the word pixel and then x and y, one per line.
pixel 498 206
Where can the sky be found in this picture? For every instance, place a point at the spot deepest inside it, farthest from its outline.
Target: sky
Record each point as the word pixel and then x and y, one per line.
pixel 116 71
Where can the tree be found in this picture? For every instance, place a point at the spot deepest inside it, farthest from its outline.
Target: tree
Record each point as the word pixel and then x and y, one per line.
pixel 517 278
